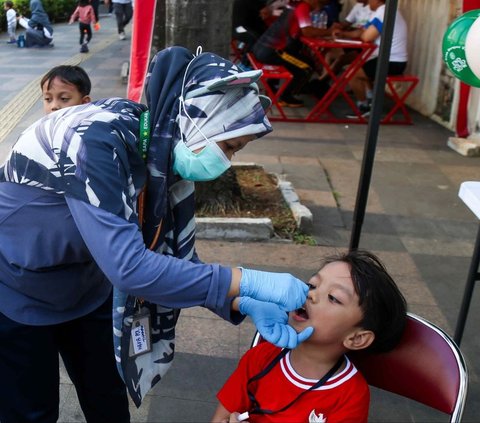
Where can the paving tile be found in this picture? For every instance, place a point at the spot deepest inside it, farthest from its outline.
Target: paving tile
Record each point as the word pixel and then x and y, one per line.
pixel 395 154
pixel 210 337
pixel 316 197
pixel 459 173
pixel 437 247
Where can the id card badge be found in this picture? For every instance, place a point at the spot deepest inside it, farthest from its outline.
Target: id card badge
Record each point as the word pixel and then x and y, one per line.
pixel 140 339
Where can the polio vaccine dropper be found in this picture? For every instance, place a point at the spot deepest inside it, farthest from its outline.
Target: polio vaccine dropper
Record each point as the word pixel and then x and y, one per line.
pixel 461 48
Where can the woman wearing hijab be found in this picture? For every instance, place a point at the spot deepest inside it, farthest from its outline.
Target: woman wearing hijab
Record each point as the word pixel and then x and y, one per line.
pixel 39 31
pixel 70 229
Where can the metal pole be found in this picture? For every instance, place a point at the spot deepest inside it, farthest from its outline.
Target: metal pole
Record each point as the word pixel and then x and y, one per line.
pixel 374 122
pixel 473 276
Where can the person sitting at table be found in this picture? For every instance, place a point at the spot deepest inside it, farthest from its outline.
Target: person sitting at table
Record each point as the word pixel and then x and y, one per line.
pixel 280 45
pixel 362 81
pixel 358 17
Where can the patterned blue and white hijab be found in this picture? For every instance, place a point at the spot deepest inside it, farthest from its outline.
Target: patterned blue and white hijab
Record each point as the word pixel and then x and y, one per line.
pixel 222 102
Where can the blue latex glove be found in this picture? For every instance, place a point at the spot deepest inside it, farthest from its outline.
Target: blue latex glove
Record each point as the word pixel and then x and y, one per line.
pixel 271 322
pixel 282 289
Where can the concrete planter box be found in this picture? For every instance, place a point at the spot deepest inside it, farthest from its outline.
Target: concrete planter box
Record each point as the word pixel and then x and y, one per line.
pixel 254 229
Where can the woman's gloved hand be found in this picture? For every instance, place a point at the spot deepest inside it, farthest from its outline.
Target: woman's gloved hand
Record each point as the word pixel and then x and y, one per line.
pixel 282 289
pixel 271 322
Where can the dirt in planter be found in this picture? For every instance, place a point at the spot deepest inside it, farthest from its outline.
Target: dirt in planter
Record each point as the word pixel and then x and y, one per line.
pixel 246 191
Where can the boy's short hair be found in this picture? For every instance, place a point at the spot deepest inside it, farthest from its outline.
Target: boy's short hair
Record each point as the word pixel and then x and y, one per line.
pixel 74 75
pixel 9 4
pixel 383 305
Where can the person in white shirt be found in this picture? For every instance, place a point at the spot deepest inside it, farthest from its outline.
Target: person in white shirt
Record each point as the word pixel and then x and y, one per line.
pixel 362 82
pixel 11 16
pixel 358 17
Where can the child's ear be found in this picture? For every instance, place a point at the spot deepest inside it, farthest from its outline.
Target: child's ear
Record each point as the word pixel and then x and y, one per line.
pixel 359 339
pixel 86 99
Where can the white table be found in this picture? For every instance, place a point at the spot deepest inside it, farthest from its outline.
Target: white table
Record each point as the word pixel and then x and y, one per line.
pixel 470 194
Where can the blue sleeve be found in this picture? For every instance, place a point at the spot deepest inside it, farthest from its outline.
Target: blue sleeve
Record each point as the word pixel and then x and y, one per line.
pixel 118 248
pixel 377 23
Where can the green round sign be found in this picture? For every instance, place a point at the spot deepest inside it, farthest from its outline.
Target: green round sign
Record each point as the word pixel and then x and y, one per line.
pixel 453 47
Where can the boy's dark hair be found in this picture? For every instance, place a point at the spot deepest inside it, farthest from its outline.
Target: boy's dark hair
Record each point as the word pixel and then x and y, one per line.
pixel 83 2
pixel 74 75
pixel 9 4
pixel 383 305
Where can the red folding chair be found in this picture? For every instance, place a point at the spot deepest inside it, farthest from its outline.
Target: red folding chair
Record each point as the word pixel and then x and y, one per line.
pixel 273 72
pixel 427 367
pixel 399 87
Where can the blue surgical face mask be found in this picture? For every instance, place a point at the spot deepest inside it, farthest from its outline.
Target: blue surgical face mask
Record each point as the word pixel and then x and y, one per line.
pixel 205 165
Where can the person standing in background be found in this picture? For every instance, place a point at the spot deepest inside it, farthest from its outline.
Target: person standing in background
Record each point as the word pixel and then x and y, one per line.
pixel 11 16
pixel 123 10
pixel 85 15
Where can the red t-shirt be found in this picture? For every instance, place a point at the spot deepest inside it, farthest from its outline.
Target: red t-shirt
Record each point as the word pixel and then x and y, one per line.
pixel 302 13
pixel 344 397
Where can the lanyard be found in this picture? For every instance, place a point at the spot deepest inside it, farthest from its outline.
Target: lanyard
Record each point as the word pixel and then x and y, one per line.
pixel 256 409
pixel 144 142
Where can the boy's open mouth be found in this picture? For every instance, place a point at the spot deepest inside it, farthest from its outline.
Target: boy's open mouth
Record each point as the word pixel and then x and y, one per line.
pixel 301 313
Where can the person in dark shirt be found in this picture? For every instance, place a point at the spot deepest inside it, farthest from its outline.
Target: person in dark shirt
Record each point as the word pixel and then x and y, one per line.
pixel 280 45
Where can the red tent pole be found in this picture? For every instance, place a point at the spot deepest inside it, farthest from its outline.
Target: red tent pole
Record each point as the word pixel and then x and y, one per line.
pixel 142 31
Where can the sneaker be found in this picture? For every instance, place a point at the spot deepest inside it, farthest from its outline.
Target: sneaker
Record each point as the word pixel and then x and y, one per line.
pixel 290 101
pixel 12 42
pixel 121 36
pixel 84 48
pixel 364 112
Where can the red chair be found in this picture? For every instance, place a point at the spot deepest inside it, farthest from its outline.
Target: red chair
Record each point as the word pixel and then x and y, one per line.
pixel 399 87
pixel 273 72
pixel 427 367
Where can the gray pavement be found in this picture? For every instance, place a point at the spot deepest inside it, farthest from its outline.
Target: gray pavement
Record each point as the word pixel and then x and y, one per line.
pixel 415 222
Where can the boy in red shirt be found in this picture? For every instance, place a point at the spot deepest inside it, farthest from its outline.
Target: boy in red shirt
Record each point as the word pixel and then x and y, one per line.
pixel 353 304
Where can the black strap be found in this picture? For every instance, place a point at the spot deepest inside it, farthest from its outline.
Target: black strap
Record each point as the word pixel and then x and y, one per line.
pixel 256 409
